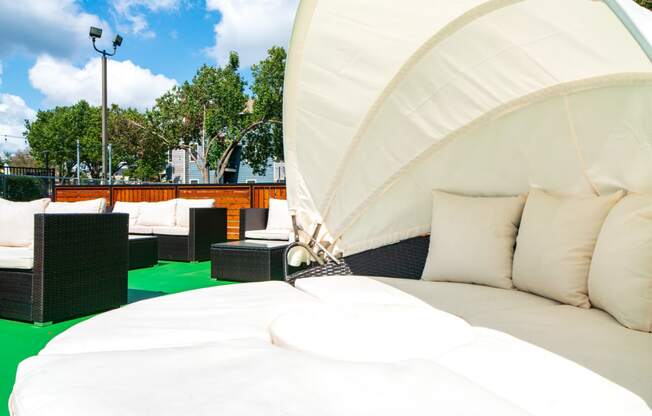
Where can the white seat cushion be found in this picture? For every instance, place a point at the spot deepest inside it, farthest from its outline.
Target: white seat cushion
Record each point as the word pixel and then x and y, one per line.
pixel 93 206
pixel 555 244
pixel 620 279
pixel 17 221
pixel 183 209
pixel 130 208
pixel 371 332
pixel 472 239
pixel 139 229
pixel 158 214
pixel 278 217
pixel 16 258
pixel 171 230
pixel 280 235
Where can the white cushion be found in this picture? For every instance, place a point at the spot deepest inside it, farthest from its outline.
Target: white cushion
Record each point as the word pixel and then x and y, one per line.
pixel 279 215
pixel 371 332
pixel 17 221
pixel 620 279
pixel 183 209
pixel 555 244
pixel 130 208
pixel 158 214
pixel 280 235
pixel 472 239
pixel 171 230
pixel 139 229
pixel 16 258
pixel 93 206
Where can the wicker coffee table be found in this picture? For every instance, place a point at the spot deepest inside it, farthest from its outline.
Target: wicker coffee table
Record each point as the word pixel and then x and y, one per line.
pixel 143 251
pixel 248 260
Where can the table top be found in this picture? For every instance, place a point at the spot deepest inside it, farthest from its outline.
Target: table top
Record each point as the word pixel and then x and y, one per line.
pixel 252 244
pixel 142 237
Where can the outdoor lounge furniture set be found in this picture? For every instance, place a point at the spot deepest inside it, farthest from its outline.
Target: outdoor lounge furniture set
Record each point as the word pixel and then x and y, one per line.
pixel 185 228
pixel 59 260
pixel 473 181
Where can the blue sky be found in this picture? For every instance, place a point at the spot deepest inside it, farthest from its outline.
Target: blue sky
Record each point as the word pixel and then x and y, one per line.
pixel 46 58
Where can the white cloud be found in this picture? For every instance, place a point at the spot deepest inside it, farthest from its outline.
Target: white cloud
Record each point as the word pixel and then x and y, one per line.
pixel 13 112
pixel 133 12
pixel 56 27
pixel 129 85
pixel 251 27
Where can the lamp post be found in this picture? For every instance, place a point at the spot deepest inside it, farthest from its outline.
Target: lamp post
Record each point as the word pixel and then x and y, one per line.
pixel 96 33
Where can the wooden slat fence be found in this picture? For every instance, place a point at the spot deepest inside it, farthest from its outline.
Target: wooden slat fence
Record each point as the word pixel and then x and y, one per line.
pixel 232 197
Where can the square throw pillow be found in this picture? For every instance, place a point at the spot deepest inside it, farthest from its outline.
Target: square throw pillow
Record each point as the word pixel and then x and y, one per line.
pixel 620 279
pixel 472 239
pixel 555 244
pixel 130 208
pixel 17 221
pixel 158 214
pixel 93 206
pixel 279 215
pixel 183 209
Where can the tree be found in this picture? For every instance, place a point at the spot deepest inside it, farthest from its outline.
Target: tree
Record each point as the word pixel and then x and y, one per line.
pixel 143 153
pixel 209 116
pixel 645 3
pixel 57 130
pixel 21 158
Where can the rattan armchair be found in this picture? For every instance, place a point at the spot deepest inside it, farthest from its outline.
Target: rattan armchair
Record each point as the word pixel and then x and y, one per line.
pixel 80 268
pixel 207 227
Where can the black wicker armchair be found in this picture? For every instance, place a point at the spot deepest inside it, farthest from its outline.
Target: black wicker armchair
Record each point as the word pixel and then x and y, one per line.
pixel 80 268
pixel 252 219
pixel 207 227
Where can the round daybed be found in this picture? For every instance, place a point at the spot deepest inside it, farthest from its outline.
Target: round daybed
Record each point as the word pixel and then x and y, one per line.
pixel 482 172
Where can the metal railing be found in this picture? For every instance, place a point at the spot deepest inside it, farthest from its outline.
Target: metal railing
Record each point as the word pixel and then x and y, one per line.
pixel 19 183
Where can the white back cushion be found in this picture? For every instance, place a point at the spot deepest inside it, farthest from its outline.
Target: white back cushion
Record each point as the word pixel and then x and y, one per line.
pixel 472 239
pixel 93 206
pixel 279 215
pixel 183 209
pixel 620 279
pixel 555 244
pixel 131 208
pixel 158 214
pixel 17 221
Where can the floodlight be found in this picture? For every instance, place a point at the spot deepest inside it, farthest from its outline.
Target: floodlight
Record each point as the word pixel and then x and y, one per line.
pixel 117 41
pixel 95 32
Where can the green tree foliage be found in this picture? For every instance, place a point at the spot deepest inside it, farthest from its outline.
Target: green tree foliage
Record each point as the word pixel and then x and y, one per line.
pixel 645 3
pixel 211 115
pixel 57 130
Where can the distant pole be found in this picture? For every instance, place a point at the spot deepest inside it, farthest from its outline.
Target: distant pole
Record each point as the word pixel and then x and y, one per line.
pixel 78 163
pixel 96 33
pixel 110 163
pixel 105 116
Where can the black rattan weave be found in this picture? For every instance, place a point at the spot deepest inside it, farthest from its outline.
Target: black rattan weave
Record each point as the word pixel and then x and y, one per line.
pixel 243 261
pixel 80 268
pixel 207 227
pixel 252 219
pixel 143 252
pixel 404 259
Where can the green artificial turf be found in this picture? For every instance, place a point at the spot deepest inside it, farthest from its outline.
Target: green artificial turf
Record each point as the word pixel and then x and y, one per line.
pixel 21 340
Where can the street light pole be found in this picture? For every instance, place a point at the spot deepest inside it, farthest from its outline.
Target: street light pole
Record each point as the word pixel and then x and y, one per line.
pixel 78 167
pixel 96 33
pixel 105 119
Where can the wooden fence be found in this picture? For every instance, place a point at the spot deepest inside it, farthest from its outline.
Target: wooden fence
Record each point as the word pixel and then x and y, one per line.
pixel 232 197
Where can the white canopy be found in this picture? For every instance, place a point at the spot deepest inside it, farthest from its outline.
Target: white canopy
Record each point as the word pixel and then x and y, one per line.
pixel 387 100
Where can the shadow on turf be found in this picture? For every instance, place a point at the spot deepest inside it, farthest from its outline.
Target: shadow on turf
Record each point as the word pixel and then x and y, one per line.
pixel 134 295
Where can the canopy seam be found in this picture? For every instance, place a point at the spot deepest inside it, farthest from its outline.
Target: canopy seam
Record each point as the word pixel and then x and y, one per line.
pixel 578 150
pixel 455 25
pixel 557 90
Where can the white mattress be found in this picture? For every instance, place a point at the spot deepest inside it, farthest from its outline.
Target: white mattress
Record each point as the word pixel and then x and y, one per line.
pixel 209 352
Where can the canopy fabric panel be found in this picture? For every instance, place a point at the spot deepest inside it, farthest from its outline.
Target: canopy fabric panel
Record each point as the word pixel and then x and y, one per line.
pixel 386 102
